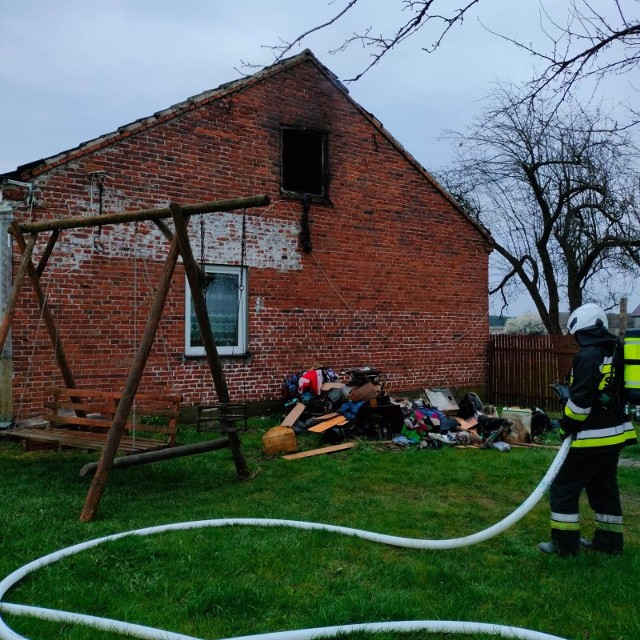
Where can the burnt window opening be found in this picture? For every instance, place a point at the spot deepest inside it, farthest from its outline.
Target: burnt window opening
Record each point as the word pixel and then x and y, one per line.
pixel 304 156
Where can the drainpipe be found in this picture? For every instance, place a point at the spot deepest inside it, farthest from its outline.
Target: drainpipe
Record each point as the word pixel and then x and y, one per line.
pixel 6 368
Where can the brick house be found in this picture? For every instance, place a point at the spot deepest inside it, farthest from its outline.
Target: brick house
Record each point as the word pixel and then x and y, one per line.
pixel 393 274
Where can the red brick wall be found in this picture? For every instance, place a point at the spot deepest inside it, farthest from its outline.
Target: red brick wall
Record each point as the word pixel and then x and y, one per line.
pixel 397 278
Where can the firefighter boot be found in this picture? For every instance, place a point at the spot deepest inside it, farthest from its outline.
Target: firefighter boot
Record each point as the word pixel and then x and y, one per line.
pixel 550 549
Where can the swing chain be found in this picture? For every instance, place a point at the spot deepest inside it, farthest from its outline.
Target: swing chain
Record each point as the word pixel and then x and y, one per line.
pixel 243 248
pixel 27 377
pixel 204 281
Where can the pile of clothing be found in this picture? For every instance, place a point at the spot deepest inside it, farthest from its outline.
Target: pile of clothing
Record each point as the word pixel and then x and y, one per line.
pixel 369 413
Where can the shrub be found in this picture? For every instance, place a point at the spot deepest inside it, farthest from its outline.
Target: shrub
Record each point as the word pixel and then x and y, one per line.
pixel 529 324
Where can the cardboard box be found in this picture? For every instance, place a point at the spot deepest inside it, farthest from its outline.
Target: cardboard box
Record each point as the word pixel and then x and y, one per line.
pixel 442 399
pixel 366 392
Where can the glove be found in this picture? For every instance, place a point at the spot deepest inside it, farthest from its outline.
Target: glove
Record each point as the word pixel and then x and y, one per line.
pixel 567 428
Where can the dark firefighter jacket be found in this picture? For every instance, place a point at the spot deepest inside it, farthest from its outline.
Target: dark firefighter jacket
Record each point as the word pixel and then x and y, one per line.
pixel 594 412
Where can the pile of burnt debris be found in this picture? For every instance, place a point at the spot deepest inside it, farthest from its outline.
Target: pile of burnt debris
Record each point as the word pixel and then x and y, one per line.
pixel 317 401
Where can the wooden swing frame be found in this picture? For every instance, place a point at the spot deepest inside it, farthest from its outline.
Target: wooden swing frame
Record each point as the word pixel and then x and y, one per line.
pixel 179 246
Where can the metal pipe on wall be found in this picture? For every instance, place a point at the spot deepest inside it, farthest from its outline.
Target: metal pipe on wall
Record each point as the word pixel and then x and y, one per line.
pixel 6 367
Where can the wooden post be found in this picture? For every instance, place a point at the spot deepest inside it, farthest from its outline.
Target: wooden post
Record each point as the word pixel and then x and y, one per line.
pixel 49 322
pixel 491 357
pixel 623 318
pixel 200 307
pixel 118 425
pixel 7 318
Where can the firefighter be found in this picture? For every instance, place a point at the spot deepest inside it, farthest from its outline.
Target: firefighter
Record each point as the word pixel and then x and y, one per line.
pixel 594 416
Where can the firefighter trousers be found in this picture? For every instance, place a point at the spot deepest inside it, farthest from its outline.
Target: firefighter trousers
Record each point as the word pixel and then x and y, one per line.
pixel 597 474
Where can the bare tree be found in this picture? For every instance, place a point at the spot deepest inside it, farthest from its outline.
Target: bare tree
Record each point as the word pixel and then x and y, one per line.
pixel 419 14
pixel 592 40
pixel 559 191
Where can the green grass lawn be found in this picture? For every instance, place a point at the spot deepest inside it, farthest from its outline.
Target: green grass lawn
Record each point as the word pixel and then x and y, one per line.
pixel 234 581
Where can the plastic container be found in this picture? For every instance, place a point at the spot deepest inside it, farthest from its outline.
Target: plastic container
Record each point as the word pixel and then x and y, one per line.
pixel 632 365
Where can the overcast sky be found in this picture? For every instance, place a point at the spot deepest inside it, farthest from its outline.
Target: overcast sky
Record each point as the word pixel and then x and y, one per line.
pixel 72 70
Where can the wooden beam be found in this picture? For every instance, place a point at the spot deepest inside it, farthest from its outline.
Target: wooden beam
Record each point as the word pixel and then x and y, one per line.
pixel 293 415
pixel 42 265
pixel 136 459
pixel 10 309
pixel 319 452
pixel 118 425
pixel 166 232
pixel 49 321
pixel 206 333
pixel 78 222
pixel 338 421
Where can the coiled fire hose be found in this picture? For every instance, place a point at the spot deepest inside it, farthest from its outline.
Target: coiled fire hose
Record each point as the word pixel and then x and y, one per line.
pixel 149 633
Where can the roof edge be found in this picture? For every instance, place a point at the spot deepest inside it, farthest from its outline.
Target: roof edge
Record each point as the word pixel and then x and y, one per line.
pixel 35 168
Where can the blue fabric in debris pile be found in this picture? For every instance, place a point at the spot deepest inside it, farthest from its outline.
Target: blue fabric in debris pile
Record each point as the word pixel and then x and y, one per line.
pixel 350 409
pixel 290 386
pixel 403 440
pixel 447 423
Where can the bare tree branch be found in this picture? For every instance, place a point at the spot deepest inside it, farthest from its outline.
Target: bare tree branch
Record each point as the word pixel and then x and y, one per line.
pixel 421 13
pixel 287 46
pixel 591 43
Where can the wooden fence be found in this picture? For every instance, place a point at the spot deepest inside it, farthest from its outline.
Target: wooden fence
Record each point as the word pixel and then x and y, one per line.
pixel 522 368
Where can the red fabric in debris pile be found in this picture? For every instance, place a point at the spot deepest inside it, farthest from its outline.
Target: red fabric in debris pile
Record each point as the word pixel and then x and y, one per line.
pixel 311 381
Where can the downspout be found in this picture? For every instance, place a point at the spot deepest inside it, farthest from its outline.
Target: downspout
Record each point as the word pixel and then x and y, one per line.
pixel 6 365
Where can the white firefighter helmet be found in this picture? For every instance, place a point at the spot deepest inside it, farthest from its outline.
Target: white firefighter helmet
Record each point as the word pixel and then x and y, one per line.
pixel 586 317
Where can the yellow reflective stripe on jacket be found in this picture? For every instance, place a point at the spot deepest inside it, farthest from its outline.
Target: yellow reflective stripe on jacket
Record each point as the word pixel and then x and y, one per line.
pixel 573 411
pixel 578 413
pixel 606 372
pixel 604 437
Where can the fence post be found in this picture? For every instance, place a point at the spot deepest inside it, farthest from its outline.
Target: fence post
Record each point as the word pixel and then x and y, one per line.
pixel 491 350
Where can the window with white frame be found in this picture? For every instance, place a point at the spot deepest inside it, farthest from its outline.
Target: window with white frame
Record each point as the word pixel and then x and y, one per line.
pixel 226 298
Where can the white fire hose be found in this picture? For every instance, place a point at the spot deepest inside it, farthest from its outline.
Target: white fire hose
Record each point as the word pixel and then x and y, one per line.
pixel 149 633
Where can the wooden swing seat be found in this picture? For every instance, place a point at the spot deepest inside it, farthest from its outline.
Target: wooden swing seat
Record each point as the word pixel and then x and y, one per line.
pixel 81 419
